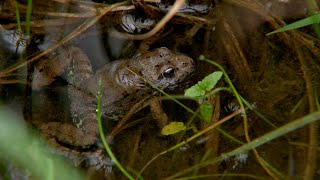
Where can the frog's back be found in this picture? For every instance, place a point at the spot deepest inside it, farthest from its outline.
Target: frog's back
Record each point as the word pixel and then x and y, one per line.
pixel 122 78
pixel 112 89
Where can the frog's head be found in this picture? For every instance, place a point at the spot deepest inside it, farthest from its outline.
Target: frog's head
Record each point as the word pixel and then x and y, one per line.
pixel 164 68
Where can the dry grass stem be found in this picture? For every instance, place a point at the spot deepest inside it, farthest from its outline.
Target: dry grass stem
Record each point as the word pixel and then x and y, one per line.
pixel 67 39
pixel 311 161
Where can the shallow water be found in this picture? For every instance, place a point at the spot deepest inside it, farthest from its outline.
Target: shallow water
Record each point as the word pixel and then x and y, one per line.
pixel 268 71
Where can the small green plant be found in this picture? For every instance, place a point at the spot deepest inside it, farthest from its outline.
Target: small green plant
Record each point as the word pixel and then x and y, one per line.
pixel 197 91
pixel 103 139
pixel 206 112
pixel 204 86
pixel 200 89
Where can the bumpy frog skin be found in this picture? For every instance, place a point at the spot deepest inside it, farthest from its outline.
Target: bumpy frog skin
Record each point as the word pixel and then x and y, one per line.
pixel 124 83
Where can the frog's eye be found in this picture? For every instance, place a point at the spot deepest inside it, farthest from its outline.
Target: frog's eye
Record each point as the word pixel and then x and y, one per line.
pixel 168 73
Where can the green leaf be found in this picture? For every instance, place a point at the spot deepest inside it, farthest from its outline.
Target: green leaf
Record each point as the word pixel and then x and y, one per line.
pixel 172 128
pixel 195 91
pixel 206 112
pixel 298 24
pixel 205 85
pixel 210 81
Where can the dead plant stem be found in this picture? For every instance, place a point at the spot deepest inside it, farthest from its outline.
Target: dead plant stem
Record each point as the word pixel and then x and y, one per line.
pixel 276 23
pixel 207 129
pixel 67 39
pixel 263 163
pixel 311 163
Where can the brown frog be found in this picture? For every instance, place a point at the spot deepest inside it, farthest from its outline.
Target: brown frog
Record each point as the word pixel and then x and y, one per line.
pixel 124 83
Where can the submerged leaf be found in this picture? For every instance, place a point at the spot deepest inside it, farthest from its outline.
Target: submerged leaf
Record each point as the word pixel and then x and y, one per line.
pixel 173 128
pixel 206 112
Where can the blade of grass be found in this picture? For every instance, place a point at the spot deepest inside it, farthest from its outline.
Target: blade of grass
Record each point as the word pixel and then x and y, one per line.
pixel 214 125
pixel 298 24
pixel 313 9
pixel 18 17
pixel 263 163
pixel 19 27
pixel 298 123
pixel 103 139
pixel 28 16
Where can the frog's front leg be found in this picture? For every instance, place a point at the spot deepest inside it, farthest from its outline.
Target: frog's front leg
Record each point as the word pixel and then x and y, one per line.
pixel 157 112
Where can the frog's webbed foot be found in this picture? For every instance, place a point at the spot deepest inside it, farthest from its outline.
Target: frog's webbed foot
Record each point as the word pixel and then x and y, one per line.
pixel 98 161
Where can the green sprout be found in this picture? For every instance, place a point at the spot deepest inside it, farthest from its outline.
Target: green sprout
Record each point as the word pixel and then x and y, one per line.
pixel 205 85
pixel 200 89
